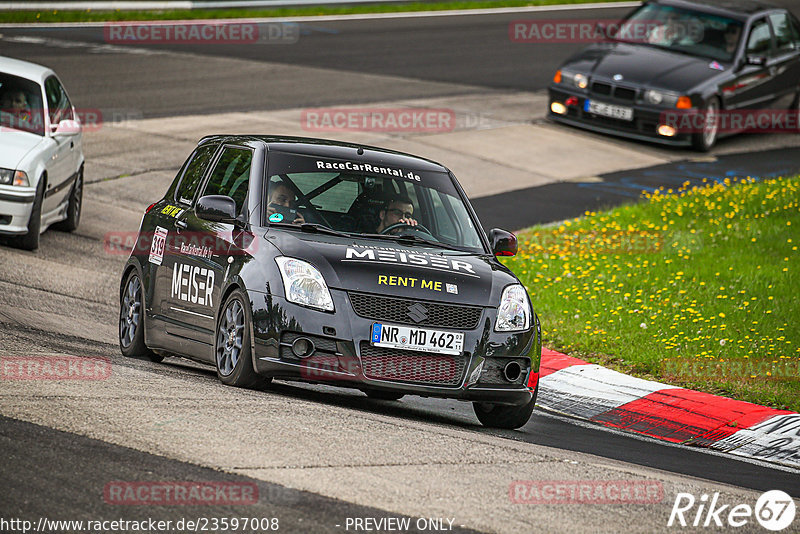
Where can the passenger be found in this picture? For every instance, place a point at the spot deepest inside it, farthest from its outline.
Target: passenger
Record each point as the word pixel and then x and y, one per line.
pixel 397 210
pixel 282 200
pixel 15 103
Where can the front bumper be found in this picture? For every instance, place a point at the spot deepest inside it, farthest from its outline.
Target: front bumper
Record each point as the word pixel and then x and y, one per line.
pixel 345 357
pixel 16 204
pixel 643 127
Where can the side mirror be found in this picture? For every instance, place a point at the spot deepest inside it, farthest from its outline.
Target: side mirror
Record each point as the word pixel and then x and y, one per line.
pixel 66 127
pixel 216 208
pixel 503 243
pixel 756 60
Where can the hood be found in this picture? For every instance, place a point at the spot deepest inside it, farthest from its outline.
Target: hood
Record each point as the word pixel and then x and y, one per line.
pixel 15 145
pixel 643 65
pixel 394 269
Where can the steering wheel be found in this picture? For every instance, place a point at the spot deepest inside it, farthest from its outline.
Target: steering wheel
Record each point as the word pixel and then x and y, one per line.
pixel 395 226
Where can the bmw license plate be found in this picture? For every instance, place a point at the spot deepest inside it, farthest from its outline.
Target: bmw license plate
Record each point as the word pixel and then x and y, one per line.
pixel 420 339
pixel 608 110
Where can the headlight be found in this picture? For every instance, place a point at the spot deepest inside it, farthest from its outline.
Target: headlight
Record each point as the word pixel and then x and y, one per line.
pixel 10 177
pixel 304 284
pixel 581 81
pixel 661 98
pixel 514 312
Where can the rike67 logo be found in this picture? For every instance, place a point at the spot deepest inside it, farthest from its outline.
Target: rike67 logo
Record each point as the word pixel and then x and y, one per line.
pixel 774 510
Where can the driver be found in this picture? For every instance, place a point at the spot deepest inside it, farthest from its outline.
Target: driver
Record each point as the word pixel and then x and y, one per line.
pixel 15 103
pixel 281 196
pixel 397 210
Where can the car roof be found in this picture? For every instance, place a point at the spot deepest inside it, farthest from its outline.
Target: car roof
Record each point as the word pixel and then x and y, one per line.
pixel 734 8
pixel 24 69
pixel 334 149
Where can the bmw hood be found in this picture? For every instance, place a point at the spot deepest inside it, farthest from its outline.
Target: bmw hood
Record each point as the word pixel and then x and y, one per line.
pixel 642 65
pixel 15 145
pixel 396 269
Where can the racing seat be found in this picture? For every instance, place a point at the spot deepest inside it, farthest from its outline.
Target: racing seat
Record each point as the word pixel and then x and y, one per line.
pixel 365 210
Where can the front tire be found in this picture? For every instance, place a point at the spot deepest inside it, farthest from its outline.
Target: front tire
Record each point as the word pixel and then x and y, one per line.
pixel 70 224
pixel 131 320
pixel 30 240
pixel 703 141
pixel 501 416
pixel 232 355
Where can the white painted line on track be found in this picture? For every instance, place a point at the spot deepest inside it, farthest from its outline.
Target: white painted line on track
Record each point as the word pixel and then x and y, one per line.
pixel 362 16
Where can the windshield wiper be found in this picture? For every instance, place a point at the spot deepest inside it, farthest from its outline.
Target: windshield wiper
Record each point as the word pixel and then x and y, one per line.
pixel 311 228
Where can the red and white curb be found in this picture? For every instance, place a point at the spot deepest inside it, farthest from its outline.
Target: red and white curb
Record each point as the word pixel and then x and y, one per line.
pixel 587 391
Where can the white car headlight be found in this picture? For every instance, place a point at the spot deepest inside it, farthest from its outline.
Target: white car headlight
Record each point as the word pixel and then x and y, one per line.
pixel 581 81
pixel 514 312
pixel 11 177
pixel 663 98
pixel 304 284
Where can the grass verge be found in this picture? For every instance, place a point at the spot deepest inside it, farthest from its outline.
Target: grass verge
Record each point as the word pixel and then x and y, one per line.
pixel 697 288
pixel 242 13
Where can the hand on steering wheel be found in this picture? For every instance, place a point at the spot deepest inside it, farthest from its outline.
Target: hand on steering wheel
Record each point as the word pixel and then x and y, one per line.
pixel 396 226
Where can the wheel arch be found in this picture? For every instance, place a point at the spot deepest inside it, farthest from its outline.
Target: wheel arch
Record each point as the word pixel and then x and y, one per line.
pixel 236 284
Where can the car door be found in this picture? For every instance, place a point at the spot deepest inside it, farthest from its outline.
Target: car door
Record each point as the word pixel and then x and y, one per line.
pixel 753 87
pixel 202 257
pixel 785 61
pixel 60 167
pixel 167 227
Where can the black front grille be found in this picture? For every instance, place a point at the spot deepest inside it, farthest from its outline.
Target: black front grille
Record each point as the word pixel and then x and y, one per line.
pixel 380 363
pixel 601 88
pixel 408 311
pixel 623 93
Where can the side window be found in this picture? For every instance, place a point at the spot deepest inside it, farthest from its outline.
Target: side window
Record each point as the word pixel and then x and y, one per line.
pixel 758 42
pixel 58 103
pixel 194 173
pixel 231 175
pixel 782 27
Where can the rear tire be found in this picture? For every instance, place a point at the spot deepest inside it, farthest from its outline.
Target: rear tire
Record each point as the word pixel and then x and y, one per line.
pixel 131 320
pixel 232 356
pixel 30 241
pixel 378 394
pixel 501 416
pixel 705 140
pixel 70 224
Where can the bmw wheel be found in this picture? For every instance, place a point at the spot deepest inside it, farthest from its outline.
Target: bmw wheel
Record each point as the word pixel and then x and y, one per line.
pixel 704 140
pixel 70 224
pixel 30 240
pixel 131 320
pixel 232 353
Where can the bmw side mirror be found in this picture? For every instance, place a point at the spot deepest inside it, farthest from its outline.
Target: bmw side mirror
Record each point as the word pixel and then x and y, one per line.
pixel 216 208
pixel 503 243
pixel 66 127
pixel 756 60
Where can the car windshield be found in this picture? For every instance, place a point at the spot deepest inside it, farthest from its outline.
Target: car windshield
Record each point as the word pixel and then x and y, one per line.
pixel 369 199
pixel 682 30
pixel 20 104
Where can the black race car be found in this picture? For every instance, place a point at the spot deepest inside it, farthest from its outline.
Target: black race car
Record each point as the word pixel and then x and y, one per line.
pixel 326 262
pixel 682 73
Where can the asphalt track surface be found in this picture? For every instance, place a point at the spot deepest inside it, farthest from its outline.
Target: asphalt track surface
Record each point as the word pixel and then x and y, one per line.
pixel 48 469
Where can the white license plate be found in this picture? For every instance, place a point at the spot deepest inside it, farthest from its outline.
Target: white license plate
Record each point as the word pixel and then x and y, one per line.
pixel 420 339
pixel 609 110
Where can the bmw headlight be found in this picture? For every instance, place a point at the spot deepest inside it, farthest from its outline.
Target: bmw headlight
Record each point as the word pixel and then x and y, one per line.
pixel 304 284
pixel 581 81
pixel 661 98
pixel 514 312
pixel 11 177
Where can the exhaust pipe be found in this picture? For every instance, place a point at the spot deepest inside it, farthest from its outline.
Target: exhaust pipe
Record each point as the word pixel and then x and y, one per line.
pixel 512 371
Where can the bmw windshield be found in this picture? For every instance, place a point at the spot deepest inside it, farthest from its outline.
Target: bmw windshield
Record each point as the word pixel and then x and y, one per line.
pixel 370 200
pixel 20 104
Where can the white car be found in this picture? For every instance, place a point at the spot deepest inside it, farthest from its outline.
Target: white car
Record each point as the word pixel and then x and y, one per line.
pixel 41 156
